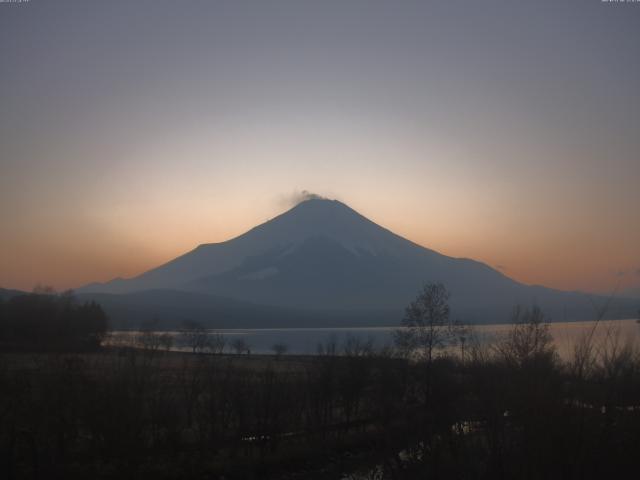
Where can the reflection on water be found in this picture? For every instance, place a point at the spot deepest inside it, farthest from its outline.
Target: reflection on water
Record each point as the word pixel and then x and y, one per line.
pixel 306 340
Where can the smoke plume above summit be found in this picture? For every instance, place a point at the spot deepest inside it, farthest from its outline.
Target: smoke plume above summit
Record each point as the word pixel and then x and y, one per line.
pixel 299 196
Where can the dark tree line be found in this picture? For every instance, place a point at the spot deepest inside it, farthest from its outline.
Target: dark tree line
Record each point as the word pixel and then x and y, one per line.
pixel 512 410
pixel 50 322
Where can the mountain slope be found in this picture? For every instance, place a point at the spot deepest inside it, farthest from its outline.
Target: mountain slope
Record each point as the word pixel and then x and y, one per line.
pixel 322 255
pixel 312 218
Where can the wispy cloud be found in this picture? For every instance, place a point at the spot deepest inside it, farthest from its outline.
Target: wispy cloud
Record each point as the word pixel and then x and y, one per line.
pixel 298 196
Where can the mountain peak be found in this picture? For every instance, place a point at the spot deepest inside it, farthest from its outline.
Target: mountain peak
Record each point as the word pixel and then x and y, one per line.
pixel 322 254
pixel 320 217
pixel 320 203
pixel 322 206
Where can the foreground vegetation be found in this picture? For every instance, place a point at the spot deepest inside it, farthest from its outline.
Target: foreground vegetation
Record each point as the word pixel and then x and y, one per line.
pixel 511 410
pixel 438 405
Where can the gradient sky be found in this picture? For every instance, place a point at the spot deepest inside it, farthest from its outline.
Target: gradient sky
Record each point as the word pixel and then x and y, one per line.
pixel 508 132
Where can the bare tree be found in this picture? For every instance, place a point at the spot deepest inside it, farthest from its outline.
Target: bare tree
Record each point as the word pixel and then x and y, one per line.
pixel 148 338
pixel 584 355
pixel 216 343
pixel 194 335
pixel 357 347
pixel 461 334
pixel 166 341
pixel 280 349
pixel 529 339
pixel 240 346
pixel 426 323
pixel 329 347
pixel 41 289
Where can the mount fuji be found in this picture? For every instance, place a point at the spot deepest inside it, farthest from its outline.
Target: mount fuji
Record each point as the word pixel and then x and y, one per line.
pixel 323 264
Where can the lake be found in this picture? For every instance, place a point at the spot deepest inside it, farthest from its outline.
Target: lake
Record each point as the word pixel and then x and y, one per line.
pixel 306 340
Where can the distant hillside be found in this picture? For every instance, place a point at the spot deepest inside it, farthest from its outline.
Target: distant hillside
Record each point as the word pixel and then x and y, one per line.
pixel 8 293
pixel 167 309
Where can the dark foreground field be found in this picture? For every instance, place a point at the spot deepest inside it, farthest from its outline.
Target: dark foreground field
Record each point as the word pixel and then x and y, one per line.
pixel 501 412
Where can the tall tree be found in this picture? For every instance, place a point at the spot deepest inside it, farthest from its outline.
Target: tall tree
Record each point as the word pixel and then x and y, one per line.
pixel 426 324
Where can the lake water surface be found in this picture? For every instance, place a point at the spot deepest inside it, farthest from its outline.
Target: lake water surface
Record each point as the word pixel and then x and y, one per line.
pixel 306 340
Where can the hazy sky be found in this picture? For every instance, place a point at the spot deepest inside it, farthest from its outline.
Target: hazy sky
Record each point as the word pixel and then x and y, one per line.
pixel 505 131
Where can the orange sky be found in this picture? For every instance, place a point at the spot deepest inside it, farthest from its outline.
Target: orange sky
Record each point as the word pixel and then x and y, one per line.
pixel 83 249
pixel 501 131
